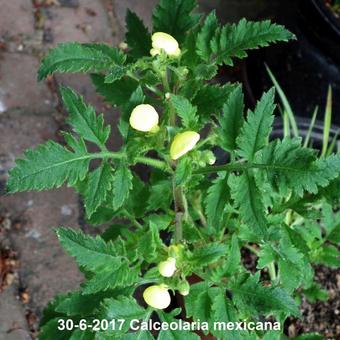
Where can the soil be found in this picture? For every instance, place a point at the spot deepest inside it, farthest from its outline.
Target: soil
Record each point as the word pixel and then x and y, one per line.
pixel 319 317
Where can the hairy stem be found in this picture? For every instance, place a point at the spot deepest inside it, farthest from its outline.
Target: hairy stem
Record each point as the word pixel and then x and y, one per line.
pixel 144 160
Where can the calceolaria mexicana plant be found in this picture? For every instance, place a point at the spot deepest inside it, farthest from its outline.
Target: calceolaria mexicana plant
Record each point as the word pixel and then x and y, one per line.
pixel 191 217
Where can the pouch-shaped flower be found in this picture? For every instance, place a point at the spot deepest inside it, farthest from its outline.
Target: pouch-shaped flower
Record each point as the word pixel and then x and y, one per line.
pixel 157 296
pixel 168 267
pixel 165 42
pixel 144 118
pixel 183 143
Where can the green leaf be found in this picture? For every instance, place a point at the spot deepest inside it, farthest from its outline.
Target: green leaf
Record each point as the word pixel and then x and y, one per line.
pixel 49 166
pixel 218 196
pixel 186 111
pixel 223 311
pixel 293 168
pixel 177 334
pixel 122 308
pixel 175 17
pixel 117 93
pixel 256 130
pixel 137 36
pixel 316 293
pixel 139 335
pixel 210 100
pixel 210 253
pixel 183 170
pixel 99 183
pixel 233 258
pixel 249 200
pixel 253 298
pixel 50 330
pixel 122 184
pixel 111 277
pixel 77 304
pixel 205 36
pixel 83 118
pixel 116 72
pixel 232 41
pixel 73 57
pixel 149 244
pixel 89 252
pixel 232 120
pixel 160 196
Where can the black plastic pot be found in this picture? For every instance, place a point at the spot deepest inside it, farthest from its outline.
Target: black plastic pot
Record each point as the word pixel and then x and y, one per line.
pixel 306 67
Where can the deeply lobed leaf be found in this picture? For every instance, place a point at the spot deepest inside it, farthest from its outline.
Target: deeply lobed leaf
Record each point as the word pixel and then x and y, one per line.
pixel 49 166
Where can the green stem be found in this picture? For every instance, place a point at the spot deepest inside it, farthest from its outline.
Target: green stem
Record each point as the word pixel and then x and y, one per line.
pixel 144 160
pixel 272 271
pixel 238 166
pixel 132 219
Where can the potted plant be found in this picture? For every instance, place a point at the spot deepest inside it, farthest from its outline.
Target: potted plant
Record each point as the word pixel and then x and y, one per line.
pixel 173 116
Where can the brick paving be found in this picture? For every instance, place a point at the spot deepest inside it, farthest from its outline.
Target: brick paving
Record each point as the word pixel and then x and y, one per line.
pixel 28 116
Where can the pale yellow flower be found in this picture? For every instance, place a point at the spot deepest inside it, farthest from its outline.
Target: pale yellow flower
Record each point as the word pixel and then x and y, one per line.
pixel 167 43
pixel 157 296
pixel 183 143
pixel 144 118
pixel 167 268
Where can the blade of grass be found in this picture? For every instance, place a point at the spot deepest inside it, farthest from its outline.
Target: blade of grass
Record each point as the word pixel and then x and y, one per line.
pixel 332 145
pixel 285 103
pixel 311 126
pixel 286 125
pixel 327 122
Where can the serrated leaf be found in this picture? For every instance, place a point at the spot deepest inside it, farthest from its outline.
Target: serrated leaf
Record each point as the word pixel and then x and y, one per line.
pixel 205 35
pixel 73 57
pixel 253 298
pixel 83 118
pixel 223 311
pixel 48 166
pixel 233 40
pixel 183 171
pixel 210 99
pixel 230 265
pixel 149 243
pixel 256 130
pixel 122 184
pixel 210 253
pixel 139 335
pixel 137 36
pixel 248 198
pixel 186 111
pixel 160 196
pixel 112 277
pixel 294 168
pixel 116 72
pixel 117 93
pixel 174 334
pixel 218 195
pixel 122 308
pixel 77 304
pixel 175 17
pixel 232 120
pixel 90 252
pixel 99 183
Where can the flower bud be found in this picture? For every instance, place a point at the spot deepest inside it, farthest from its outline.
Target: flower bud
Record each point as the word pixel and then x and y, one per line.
pixel 157 296
pixel 144 118
pixel 183 143
pixel 165 42
pixel 168 267
pixel 184 288
pixel 209 157
pixel 123 46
